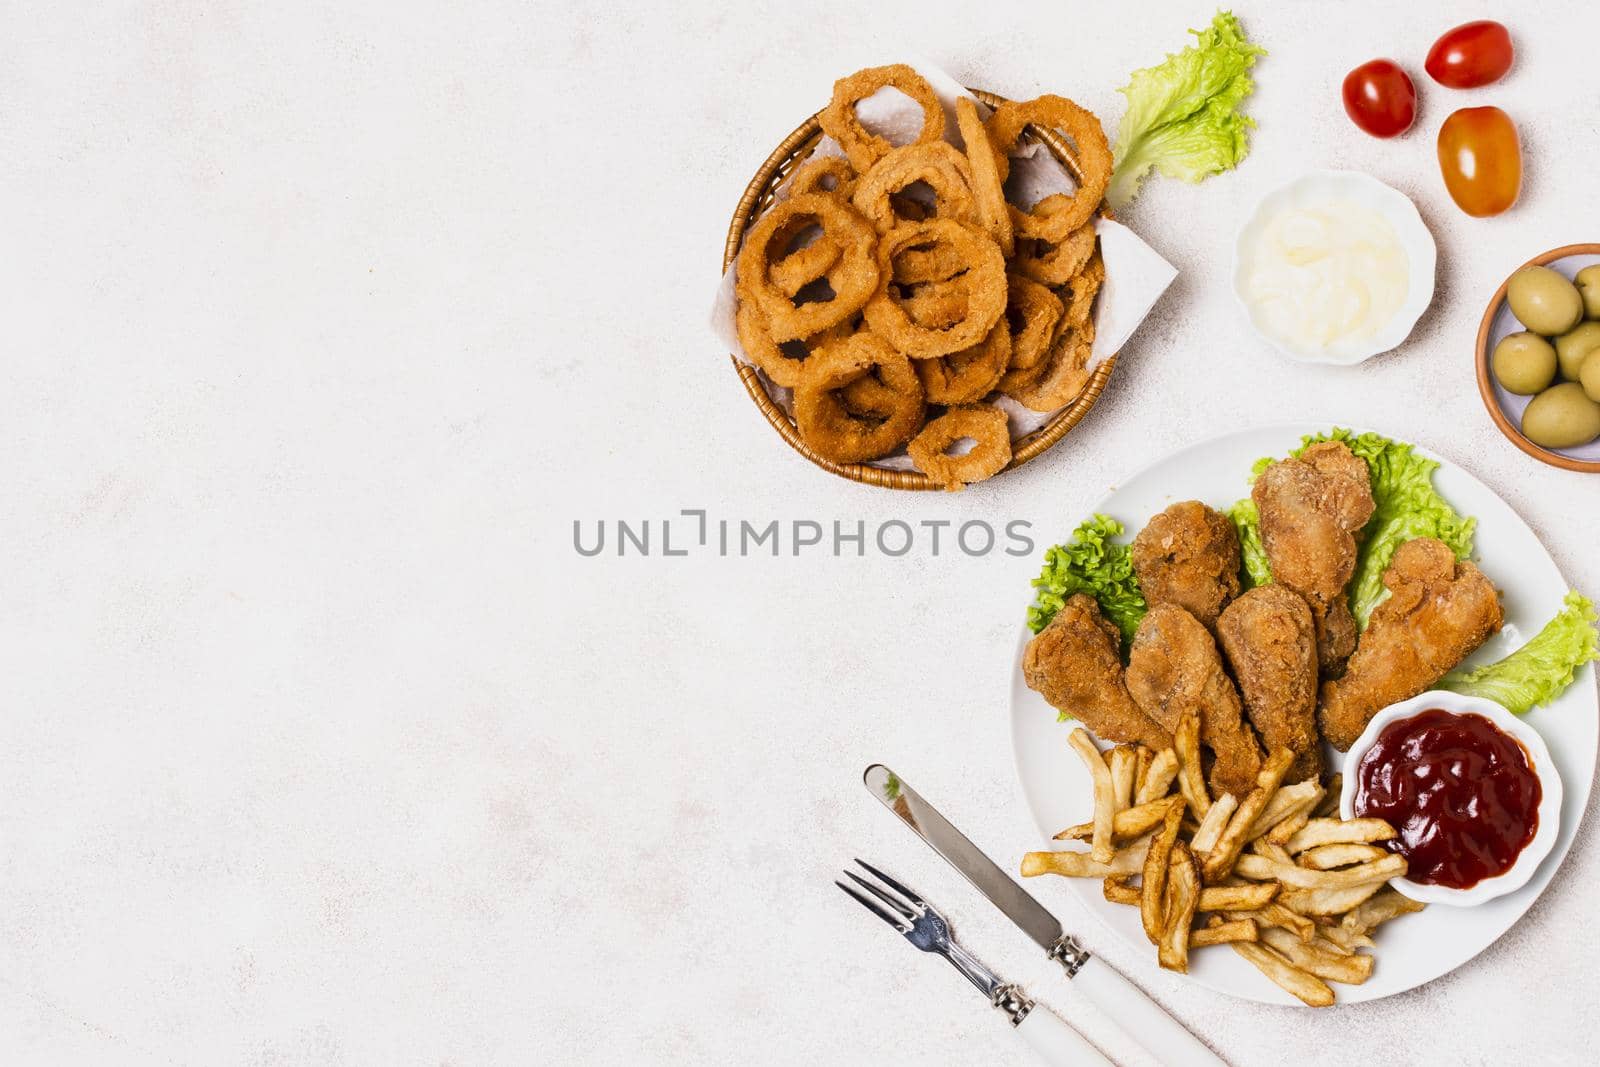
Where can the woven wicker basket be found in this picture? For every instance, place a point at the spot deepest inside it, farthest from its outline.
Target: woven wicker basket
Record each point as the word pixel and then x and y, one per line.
pixel 758 195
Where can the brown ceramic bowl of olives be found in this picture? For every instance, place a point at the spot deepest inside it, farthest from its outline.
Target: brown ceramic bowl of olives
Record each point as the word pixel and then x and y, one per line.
pixel 1539 357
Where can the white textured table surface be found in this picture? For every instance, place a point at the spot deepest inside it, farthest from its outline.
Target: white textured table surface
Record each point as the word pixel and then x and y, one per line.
pixel 323 745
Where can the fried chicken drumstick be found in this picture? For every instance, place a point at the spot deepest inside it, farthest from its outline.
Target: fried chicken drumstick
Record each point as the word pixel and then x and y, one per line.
pixel 1271 643
pixel 1174 669
pixel 1076 664
pixel 1189 556
pixel 1311 509
pixel 1439 610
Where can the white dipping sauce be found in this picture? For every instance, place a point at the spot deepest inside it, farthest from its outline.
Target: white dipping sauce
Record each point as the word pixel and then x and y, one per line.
pixel 1324 277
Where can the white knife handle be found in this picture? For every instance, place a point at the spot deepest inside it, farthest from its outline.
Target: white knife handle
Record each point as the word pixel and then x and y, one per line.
pixel 1056 1043
pixel 1145 1022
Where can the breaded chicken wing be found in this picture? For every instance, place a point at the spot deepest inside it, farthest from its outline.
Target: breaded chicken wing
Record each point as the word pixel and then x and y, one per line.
pixel 1271 643
pixel 1311 509
pixel 1076 664
pixel 1438 611
pixel 1189 556
pixel 1174 669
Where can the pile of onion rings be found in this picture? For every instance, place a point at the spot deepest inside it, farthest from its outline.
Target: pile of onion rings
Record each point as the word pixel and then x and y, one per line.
pixel 897 293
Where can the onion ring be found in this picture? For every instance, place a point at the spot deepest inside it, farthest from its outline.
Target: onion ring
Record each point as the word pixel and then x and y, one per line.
pixel 920 264
pixel 936 305
pixel 988 428
pixel 853 279
pixel 813 175
pixel 984 280
pixel 1083 287
pixel 839 119
pixel 937 164
pixel 800 268
pixel 1054 217
pixel 878 420
pixel 1059 378
pixel 970 374
pixel 988 186
pixel 1058 264
pixel 1032 314
pixel 781 362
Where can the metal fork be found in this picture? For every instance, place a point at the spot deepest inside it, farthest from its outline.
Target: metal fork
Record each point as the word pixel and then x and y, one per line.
pixel 919 923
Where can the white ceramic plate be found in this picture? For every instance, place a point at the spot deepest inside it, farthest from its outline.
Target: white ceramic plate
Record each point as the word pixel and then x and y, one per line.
pixel 1319 187
pixel 1415 948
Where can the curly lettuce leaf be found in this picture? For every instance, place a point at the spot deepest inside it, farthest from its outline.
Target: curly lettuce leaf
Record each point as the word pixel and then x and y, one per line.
pixel 1540 670
pixel 1090 562
pixel 1406 506
pixel 1254 568
pixel 1182 117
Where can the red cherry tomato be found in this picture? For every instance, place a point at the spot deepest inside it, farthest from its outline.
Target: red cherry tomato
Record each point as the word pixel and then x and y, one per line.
pixel 1379 97
pixel 1481 159
pixel 1470 55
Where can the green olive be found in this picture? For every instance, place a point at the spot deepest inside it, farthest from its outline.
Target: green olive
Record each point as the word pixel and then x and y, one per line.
pixel 1573 345
pixel 1524 363
pixel 1561 417
pixel 1589 288
pixel 1589 376
pixel 1544 301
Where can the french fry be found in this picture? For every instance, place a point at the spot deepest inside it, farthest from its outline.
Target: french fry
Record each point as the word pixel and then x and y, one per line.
pixel 1183 887
pixel 1328 806
pixel 1338 832
pixel 1321 902
pixel 1307 987
pixel 1191 777
pixel 1327 857
pixel 1142 757
pixel 1260 868
pixel 1127 860
pixel 1127 824
pixel 1152 910
pixel 1219 862
pixel 1205 836
pixel 1104 805
pixel 1379 909
pixel 1262 847
pixel 1284 804
pixel 1157 780
pixel 1286 829
pixel 1122 760
pixel 1119 889
pixel 1275 914
pixel 1236 898
pixel 1218 932
pixel 1315 958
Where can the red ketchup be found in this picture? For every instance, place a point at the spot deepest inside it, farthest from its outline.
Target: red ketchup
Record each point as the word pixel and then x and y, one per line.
pixel 1460 792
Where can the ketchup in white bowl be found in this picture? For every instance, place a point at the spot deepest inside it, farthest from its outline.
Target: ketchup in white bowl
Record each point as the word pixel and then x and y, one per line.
pixel 1469 788
pixel 1460 792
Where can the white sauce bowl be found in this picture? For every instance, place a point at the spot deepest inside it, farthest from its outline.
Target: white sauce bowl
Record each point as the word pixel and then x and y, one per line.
pixel 1319 187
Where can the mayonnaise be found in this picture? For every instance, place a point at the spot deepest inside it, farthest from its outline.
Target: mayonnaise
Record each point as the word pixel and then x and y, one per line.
pixel 1323 278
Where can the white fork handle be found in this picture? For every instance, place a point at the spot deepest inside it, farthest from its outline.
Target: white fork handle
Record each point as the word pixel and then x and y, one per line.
pixel 1144 1021
pixel 1056 1043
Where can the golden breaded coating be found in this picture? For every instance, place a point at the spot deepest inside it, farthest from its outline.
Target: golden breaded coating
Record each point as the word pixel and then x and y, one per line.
pixel 1438 611
pixel 1175 669
pixel 1270 640
pixel 1311 509
pixel 1076 664
pixel 1189 556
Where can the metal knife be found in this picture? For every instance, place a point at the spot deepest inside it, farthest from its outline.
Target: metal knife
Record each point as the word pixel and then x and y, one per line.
pixel 1144 1021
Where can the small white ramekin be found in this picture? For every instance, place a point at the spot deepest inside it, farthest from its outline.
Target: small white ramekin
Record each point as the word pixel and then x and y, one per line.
pixel 1319 186
pixel 1544 837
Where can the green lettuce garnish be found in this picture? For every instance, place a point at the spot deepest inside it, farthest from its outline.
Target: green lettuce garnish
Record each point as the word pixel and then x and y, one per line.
pixel 1182 117
pixel 1254 568
pixel 1537 672
pixel 1407 506
pixel 1090 562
